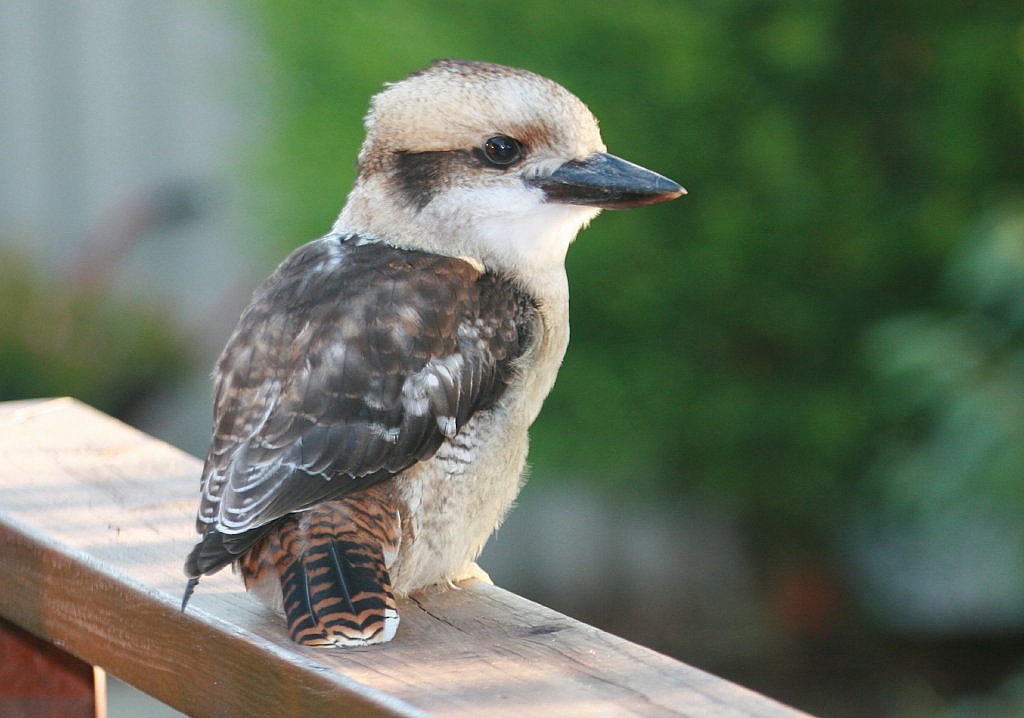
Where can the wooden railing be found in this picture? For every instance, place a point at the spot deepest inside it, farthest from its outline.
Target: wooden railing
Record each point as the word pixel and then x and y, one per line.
pixel 95 519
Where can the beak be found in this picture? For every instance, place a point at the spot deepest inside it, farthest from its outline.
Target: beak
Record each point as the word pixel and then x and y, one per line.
pixel 606 181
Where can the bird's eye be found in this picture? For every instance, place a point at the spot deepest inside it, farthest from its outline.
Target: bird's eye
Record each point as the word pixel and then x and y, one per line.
pixel 502 151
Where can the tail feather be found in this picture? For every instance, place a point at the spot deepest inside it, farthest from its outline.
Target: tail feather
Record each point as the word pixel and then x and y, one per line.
pixel 338 593
pixel 330 563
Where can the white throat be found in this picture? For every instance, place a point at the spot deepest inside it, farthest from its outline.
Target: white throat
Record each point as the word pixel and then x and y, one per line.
pixel 507 227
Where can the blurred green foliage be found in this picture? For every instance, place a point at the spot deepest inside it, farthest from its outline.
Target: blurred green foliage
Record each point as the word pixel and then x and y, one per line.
pixel 953 383
pixel 59 338
pixel 937 521
pixel 836 153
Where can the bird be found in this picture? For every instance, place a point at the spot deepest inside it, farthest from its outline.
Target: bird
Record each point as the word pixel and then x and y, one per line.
pixel 372 405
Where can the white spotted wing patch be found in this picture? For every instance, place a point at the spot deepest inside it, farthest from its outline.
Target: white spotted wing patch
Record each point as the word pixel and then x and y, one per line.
pixel 447 425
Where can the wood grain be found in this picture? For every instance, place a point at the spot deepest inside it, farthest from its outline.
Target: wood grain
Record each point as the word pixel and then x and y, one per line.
pixel 96 519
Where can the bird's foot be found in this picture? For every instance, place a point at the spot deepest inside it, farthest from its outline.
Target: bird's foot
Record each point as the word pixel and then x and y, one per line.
pixel 470 572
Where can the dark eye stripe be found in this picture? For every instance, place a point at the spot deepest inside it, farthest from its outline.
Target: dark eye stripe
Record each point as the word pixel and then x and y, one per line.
pixel 420 175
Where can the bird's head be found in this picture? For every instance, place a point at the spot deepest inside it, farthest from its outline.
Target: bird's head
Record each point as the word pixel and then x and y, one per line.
pixel 489 162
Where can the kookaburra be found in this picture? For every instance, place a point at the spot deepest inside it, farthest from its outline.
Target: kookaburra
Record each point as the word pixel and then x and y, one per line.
pixel 372 405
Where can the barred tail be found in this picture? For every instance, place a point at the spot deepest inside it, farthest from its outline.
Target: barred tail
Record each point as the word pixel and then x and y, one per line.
pixel 331 565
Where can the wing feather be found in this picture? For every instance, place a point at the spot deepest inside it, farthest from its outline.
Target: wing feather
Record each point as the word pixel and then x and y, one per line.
pixel 354 361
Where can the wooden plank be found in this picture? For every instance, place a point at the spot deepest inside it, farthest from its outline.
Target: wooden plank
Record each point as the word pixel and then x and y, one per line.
pixel 38 680
pixel 96 518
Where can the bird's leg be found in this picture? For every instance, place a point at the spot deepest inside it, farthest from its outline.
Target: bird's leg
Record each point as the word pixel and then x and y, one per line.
pixel 331 564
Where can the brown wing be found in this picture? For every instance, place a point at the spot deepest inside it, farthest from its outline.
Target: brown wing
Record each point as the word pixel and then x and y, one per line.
pixel 353 361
